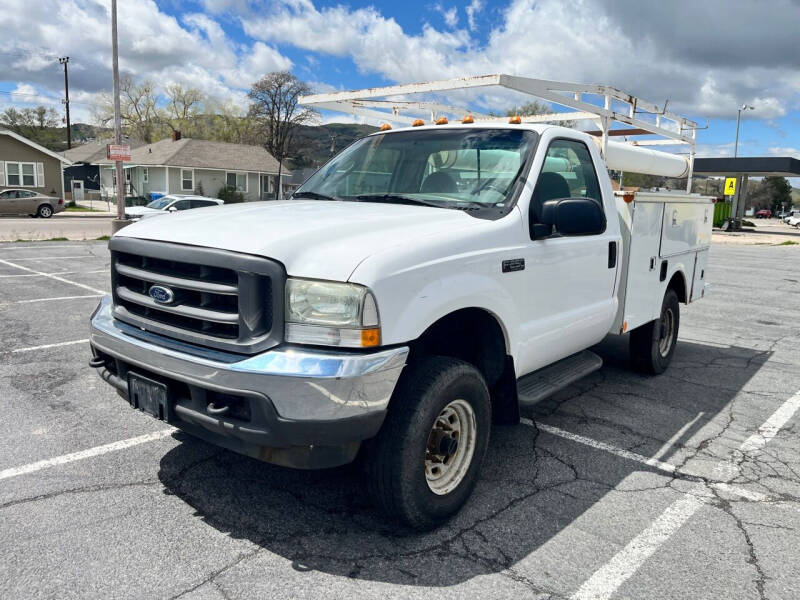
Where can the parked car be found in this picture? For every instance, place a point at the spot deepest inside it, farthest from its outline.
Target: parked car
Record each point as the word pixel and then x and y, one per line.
pixel 170 203
pixel 26 202
pixel 764 214
pixel 789 214
pixel 794 221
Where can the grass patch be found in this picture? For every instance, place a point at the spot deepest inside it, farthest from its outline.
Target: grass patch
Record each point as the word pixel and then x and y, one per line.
pixel 788 243
pixel 53 239
pixel 81 209
pixel 103 238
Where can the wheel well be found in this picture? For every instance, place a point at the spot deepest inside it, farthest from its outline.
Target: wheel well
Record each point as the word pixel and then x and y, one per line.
pixel 475 336
pixel 678 284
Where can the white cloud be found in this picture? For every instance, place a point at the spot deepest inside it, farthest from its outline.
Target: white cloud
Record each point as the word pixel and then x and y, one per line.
pixel 450 15
pixel 472 10
pixel 784 151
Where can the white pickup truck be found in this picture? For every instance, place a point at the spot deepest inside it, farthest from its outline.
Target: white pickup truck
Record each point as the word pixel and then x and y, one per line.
pixel 426 282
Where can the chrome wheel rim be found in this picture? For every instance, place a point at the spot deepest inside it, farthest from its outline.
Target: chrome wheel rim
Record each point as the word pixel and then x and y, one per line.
pixel 667 336
pixel 450 447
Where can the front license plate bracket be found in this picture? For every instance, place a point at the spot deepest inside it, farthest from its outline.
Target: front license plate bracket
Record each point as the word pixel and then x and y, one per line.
pixel 149 396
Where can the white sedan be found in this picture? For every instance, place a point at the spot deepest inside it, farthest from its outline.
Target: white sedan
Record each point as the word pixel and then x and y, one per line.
pixel 169 203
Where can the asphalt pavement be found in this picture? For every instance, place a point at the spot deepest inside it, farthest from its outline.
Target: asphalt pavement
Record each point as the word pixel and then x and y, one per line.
pixel 685 485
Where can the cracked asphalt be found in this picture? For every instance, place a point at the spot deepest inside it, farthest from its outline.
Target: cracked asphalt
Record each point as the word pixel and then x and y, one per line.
pixel 560 496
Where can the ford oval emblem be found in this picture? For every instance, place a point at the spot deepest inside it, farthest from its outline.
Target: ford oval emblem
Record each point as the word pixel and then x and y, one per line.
pixel 161 294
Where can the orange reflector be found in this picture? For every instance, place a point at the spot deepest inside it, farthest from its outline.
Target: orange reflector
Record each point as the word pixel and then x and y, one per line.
pixel 468 119
pixel 441 121
pixel 385 127
pixel 628 198
pixel 624 326
pixel 370 337
pixel 515 120
pixel 418 123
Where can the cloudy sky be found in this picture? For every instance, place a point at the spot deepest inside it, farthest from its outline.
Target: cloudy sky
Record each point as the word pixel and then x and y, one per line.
pixel 705 56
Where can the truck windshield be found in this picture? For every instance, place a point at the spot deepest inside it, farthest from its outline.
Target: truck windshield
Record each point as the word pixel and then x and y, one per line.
pixel 446 168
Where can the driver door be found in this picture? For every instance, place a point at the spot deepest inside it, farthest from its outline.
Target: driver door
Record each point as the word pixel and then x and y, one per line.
pixel 569 280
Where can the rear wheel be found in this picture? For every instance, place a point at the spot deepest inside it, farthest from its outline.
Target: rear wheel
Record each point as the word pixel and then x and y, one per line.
pixel 45 211
pixel 653 344
pixel 424 463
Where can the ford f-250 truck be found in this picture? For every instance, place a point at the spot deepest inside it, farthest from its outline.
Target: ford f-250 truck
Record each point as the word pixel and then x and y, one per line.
pixel 423 284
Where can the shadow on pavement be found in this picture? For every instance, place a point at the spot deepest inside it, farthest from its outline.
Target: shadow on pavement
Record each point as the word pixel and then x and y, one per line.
pixel 533 485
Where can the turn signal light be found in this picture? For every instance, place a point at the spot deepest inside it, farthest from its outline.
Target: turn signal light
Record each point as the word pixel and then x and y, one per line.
pixel 418 123
pixel 515 120
pixel 441 121
pixel 385 127
pixel 468 119
pixel 628 197
pixel 370 337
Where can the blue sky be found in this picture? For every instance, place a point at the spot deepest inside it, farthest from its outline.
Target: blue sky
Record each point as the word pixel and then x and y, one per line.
pixel 706 58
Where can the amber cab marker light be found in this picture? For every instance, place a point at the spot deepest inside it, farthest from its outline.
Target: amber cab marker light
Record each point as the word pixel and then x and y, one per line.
pixel 418 123
pixel 385 127
pixel 627 197
pixel 467 120
pixel 441 121
pixel 370 337
pixel 515 120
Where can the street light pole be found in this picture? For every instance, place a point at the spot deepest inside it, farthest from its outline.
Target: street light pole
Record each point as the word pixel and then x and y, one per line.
pixel 117 119
pixel 738 120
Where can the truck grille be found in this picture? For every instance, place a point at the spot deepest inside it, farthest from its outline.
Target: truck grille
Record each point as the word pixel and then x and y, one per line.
pixel 217 298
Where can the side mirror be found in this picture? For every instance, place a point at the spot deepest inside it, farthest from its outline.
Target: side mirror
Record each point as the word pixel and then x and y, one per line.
pixel 574 216
pixel 173 209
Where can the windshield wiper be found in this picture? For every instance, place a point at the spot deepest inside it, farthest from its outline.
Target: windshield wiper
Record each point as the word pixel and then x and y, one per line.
pixel 314 196
pixel 396 199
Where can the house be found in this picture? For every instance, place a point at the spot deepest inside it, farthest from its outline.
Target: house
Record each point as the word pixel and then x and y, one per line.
pixel 298 178
pixel 84 170
pixel 184 165
pixel 26 164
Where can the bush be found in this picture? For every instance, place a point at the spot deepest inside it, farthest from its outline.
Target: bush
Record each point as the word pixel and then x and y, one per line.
pixel 229 194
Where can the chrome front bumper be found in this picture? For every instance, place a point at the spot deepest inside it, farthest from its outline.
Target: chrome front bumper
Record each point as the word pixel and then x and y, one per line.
pixel 302 396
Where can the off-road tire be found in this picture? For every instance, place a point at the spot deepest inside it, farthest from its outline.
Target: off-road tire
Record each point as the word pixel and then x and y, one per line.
pixel 395 458
pixel 647 343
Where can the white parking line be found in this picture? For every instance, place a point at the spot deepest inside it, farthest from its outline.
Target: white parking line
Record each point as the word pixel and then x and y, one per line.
pixel 627 561
pixel 46 346
pixel 54 273
pixel 51 276
pixel 49 299
pixel 56 257
pixel 91 452
pixel 38 247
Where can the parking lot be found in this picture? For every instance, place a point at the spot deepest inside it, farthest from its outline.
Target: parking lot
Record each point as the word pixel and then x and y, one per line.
pixel 685 485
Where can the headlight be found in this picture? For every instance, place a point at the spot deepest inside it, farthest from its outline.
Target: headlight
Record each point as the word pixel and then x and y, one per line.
pixel 331 314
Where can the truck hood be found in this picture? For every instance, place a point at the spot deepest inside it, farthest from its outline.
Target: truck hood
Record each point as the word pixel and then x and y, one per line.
pixel 312 238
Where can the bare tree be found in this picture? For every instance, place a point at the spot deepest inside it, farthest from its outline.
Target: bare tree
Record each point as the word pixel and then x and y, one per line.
pixel 138 109
pixel 183 107
pixel 31 123
pixel 275 109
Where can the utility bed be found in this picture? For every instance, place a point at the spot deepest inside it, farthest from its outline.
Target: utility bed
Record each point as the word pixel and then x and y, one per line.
pixel 660 230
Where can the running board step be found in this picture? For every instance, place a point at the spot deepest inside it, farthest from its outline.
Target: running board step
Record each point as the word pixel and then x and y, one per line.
pixel 547 381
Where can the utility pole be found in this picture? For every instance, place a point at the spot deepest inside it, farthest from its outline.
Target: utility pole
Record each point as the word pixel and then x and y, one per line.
pixel 117 119
pixel 64 60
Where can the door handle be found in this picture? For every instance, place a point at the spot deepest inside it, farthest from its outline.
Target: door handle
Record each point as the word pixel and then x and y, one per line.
pixel 612 255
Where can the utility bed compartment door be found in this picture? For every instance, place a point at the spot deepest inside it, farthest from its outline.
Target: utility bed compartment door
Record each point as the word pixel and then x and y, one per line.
pixel 687 226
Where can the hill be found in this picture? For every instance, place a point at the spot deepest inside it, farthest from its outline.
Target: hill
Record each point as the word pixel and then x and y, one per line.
pixel 316 144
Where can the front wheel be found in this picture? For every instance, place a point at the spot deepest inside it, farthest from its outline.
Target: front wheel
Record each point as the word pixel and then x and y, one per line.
pixel 653 344
pixel 424 462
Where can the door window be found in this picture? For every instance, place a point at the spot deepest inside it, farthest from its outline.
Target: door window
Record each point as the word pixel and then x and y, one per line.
pixel 180 205
pixel 568 172
pixel 202 203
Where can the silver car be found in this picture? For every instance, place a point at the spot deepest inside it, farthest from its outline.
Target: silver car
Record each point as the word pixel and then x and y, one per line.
pixel 26 202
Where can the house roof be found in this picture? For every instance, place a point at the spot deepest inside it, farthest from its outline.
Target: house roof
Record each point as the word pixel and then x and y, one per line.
pixel 95 151
pixel 28 142
pixel 204 154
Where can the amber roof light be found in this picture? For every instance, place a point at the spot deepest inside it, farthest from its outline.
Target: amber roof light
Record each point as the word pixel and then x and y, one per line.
pixel 418 123
pixel 468 119
pixel 515 120
pixel 385 127
pixel 441 121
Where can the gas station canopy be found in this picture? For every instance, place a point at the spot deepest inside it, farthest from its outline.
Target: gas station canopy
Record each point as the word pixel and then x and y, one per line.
pixel 753 166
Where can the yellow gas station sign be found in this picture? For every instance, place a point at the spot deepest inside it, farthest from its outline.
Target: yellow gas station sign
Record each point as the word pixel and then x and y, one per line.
pixel 730 186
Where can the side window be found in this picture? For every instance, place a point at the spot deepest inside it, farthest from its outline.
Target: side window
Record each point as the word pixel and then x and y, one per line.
pixel 201 203
pixel 5 195
pixel 180 205
pixel 568 172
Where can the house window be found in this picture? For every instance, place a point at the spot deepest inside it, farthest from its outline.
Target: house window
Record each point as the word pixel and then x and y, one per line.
pixel 21 174
pixel 187 180
pixel 145 175
pixel 114 177
pixel 237 180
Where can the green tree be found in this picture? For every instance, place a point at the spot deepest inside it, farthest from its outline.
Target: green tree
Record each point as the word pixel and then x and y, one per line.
pixel 779 192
